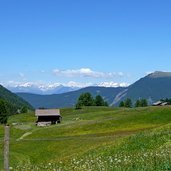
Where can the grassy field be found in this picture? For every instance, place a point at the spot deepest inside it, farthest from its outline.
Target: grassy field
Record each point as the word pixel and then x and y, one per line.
pixel 94 138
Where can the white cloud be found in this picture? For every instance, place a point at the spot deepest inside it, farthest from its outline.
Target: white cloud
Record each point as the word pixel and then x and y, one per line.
pixel 86 72
pixel 112 84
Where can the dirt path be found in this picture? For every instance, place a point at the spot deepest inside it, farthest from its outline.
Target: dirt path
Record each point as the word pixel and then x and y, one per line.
pixel 24 135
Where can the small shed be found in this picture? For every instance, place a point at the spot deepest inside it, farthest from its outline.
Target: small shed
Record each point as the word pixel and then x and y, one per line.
pixel 48 116
pixel 160 103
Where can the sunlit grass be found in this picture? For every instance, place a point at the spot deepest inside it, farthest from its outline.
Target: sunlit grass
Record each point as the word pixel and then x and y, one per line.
pixel 113 138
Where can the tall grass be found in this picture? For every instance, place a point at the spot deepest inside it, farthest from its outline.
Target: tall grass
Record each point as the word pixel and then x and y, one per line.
pixel 145 151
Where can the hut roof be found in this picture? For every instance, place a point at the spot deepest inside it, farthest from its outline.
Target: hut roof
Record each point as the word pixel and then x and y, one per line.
pixel 157 103
pixel 47 112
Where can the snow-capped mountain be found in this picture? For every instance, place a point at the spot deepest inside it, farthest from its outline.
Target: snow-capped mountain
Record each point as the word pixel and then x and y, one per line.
pixel 56 88
pixel 41 89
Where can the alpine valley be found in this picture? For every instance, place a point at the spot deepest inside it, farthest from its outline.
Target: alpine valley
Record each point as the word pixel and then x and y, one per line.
pixel 152 87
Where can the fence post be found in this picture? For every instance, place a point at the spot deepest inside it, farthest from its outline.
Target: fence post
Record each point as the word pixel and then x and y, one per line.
pixel 6 148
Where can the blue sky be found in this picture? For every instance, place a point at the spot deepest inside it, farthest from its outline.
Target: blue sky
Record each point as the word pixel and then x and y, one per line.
pixel 83 41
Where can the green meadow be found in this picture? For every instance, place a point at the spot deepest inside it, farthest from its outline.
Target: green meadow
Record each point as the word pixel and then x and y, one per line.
pixel 93 138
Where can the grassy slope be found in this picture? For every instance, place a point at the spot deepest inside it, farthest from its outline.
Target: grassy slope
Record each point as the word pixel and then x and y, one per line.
pixel 88 134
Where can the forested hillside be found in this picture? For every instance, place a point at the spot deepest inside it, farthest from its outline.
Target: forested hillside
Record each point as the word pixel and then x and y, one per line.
pixel 13 101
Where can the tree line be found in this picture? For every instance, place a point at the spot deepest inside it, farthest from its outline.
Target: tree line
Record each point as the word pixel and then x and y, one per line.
pixel 86 99
pixel 7 109
pixel 128 103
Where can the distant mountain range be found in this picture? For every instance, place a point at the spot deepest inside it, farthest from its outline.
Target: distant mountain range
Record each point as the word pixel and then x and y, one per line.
pixel 56 88
pixel 153 87
pixel 35 89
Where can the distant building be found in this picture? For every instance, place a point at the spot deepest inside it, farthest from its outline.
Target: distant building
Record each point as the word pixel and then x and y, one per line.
pixel 164 104
pixel 160 103
pixel 47 117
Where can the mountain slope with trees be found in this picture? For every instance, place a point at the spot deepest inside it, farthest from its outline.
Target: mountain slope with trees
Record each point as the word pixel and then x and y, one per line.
pixel 152 87
pixel 14 102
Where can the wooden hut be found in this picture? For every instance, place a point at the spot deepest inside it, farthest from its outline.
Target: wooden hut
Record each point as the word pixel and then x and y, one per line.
pixel 47 117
